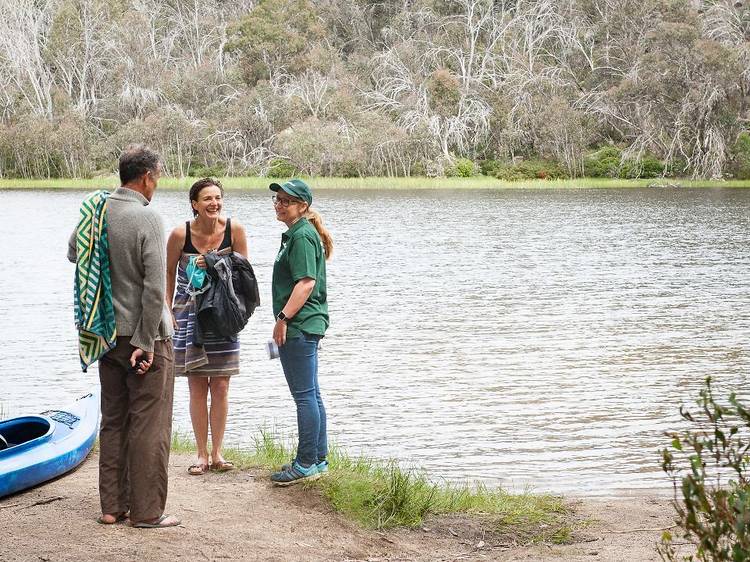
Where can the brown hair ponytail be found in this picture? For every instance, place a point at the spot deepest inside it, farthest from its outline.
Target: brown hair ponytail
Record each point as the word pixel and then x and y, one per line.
pixel 317 221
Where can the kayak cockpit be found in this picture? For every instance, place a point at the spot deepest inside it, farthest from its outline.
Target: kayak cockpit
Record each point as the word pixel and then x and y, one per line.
pixel 17 432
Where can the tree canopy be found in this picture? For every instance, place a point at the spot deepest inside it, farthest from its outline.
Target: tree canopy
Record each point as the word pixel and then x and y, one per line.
pixel 367 87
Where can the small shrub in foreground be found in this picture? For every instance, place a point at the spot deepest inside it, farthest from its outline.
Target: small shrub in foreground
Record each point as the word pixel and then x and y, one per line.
pixel 708 464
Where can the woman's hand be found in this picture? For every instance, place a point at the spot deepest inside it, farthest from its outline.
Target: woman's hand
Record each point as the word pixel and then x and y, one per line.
pixel 201 261
pixel 279 332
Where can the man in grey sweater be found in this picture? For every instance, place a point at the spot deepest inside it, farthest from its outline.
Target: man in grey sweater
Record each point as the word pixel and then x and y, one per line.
pixel 137 376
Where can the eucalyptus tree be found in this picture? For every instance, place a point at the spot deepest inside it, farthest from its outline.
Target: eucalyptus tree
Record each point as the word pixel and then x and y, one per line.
pixel 532 76
pixel 318 147
pixel 681 92
pixel 80 51
pixel 431 73
pixel 275 37
pixel 694 81
pixel 728 23
pixel 244 130
pixel 24 33
pixel 398 87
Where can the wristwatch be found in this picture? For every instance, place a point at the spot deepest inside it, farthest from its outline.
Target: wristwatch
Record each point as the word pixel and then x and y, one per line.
pixel 282 316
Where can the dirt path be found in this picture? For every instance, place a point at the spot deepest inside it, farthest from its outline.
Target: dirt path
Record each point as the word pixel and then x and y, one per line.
pixel 240 516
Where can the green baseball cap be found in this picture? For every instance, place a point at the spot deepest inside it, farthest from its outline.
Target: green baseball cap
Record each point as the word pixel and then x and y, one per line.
pixel 295 188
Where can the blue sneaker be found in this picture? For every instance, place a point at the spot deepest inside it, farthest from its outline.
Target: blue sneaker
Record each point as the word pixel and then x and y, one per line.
pixel 322 466
pixel 294 474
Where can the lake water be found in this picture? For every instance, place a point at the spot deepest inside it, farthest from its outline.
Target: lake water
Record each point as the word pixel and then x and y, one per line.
pixel 539 338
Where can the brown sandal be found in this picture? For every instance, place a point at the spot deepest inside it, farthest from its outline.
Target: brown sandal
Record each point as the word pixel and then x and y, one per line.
pixel 161 522
pixel 197 469
pixel 222 466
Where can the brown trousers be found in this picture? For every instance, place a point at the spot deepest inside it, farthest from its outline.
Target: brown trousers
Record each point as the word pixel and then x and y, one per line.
pixel 136 431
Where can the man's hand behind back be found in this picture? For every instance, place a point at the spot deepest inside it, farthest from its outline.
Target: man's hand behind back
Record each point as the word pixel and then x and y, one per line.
pixel 140 361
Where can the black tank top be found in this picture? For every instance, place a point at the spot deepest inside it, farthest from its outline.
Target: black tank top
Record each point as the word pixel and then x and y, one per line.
pixel 188 248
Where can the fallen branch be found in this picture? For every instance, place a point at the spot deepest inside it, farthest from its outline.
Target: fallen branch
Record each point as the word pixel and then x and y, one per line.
pixel 9 505
pixel 643 530
pixel 45 501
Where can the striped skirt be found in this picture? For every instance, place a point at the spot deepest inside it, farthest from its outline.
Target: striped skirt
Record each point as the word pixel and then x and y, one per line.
pixel 217 357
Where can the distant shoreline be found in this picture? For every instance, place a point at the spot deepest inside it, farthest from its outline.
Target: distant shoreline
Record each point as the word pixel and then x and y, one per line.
pixel 397 183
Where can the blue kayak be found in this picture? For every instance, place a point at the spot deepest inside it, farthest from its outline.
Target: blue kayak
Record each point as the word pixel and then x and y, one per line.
pixel 37 448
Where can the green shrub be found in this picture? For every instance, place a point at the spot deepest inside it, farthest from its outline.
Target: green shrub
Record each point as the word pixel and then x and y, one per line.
pixel 489 167
pixel 607 162
pixel 346 169
pixel 604 163
pixel 418 169
pixel 461 168
pixel 708 464
pixel 739 159
pixel 678 167
pixel 197 171
pixel 281 168
pixel 509 172
pixel 651 167
pixel 648 167
pixel 544 169
pixel 530 170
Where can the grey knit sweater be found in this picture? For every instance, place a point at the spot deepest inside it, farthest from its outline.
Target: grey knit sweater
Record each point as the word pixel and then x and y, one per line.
pixel 137 258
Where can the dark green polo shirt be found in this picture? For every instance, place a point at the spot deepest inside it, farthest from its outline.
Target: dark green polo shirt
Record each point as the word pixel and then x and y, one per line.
pixel 301 255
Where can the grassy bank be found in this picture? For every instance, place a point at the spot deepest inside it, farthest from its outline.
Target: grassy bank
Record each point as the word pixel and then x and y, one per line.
pixel 477 182
pixel 381 494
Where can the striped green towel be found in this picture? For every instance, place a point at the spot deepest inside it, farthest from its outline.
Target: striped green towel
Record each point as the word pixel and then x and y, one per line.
pixel 94 310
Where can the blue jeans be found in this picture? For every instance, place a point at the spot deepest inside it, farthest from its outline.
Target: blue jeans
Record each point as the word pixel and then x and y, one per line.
pixel 299 359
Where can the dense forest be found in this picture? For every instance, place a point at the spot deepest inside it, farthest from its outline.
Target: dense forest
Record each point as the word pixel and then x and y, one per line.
pixel 512 88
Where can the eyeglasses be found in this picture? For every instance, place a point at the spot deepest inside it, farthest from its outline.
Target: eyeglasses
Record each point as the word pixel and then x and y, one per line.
pixel 283 201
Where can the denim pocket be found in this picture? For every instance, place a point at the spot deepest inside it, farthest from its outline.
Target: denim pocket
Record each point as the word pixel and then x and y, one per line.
pixel 293 340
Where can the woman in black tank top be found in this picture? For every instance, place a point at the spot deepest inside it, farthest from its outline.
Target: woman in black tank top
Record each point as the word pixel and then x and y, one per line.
pixel 209 366
pixel 226 242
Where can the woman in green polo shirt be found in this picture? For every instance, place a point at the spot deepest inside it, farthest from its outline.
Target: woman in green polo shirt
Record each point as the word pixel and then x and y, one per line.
pixel 301 309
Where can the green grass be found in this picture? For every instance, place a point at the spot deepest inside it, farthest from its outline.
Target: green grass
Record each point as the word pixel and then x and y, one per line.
pixel 170 183
pixel 182 443
pixel 380 494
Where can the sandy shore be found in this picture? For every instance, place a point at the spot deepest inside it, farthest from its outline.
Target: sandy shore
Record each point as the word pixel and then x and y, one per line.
pixel 240 516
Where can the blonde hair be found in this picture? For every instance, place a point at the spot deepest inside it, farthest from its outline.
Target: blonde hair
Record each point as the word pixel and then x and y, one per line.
pixel 317 221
